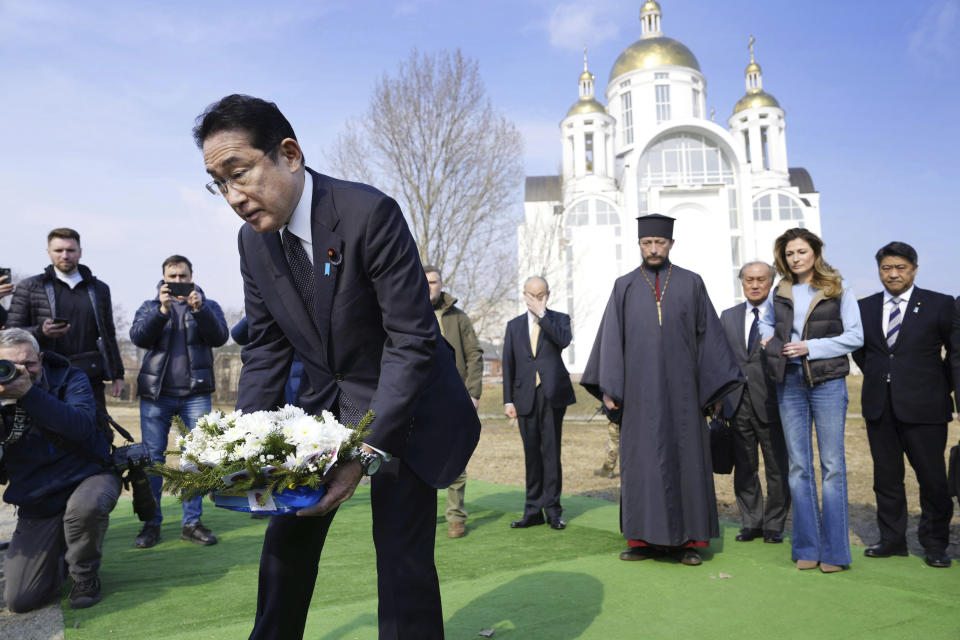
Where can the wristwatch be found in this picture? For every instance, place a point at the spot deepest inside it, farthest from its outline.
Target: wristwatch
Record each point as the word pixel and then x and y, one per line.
pixel 370 462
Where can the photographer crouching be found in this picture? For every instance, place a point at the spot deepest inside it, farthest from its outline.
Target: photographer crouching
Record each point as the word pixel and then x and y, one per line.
pixel 51 452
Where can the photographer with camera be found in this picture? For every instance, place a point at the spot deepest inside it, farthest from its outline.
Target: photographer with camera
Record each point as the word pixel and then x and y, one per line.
pixel 179 328
pixel 57 463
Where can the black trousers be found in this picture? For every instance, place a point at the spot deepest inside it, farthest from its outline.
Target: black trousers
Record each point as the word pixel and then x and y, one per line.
pixel 404 531
pixel 540 431
pixel 890 438
pixel 749 433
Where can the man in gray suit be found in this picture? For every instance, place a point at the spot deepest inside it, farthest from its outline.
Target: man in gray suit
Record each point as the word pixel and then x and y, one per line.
pixel 754 414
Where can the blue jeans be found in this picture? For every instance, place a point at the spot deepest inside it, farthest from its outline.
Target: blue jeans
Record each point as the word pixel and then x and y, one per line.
pixel 818 535
pixel 155 418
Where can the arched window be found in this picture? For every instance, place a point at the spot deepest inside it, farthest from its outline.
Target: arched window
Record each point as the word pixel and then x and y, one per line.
pixel 762 208
pixel 783 207
pixel 685 159
pixel 789 208
pixel 603 213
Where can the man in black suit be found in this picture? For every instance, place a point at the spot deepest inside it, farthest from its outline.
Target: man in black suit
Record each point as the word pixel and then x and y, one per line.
pixel 331 272
pixel 754 414
pixel 906 402
pixel 537 391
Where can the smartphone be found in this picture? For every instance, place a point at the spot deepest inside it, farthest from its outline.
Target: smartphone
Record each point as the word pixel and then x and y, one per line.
pixel 178 289
pixel 59 321
pixel 5 271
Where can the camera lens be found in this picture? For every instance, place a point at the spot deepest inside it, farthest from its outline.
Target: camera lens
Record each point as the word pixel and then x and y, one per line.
pixel 8 371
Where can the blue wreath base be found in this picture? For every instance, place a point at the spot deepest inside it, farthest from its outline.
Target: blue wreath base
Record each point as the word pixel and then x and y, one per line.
pixel 286 501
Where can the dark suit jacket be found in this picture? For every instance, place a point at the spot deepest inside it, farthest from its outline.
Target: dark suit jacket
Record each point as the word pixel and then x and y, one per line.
pixel 920 378
pixel 378 338
pixel 760 386
pixel 520 366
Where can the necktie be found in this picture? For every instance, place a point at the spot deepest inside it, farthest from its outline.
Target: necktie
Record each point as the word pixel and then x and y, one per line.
pixel 302 271
pixel 534 337
pixel 893 323
pixel 754 330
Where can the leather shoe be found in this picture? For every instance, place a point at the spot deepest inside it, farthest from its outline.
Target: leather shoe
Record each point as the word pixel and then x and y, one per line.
pixel 747 534
pixel 885 550
pixel 689 557
pixel 456 530
pixel 527 521
pixel 772 537
pixel 557 523
pixel 198 534
pixel 937 559
pixel 148 537
pixel 639 553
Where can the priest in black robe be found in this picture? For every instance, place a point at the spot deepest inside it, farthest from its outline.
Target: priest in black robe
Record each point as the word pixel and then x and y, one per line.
pixel 660 363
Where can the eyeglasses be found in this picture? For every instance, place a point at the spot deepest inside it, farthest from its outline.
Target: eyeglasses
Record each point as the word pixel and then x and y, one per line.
pixel 239 179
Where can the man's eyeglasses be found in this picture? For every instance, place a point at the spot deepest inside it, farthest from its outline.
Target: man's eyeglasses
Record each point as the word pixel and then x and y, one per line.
pixel 239 179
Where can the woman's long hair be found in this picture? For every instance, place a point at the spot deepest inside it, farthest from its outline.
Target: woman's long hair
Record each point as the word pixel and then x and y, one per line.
pixel 825 277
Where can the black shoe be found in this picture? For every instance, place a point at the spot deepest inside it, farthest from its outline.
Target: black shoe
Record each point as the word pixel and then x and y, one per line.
pixel 885 550
pixel 199 534
pixel 527 521
pixel 749 533
pixel 557 523
pixel 938 559
pixel 148 537
pixel 689 557
pixel 639 553
pixel 85 593
pixel 772 537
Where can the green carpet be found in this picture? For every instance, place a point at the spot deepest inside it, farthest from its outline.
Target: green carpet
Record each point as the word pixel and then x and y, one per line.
pixel 524 584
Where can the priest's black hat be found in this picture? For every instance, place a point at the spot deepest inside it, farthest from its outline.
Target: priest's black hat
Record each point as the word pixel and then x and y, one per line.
pixel 655 225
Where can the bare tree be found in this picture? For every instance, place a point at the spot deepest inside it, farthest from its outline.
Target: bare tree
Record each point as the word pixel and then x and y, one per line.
pixel 432 139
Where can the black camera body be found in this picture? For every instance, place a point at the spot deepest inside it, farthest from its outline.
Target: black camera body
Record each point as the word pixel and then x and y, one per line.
pixel 8 371
pixel 131 461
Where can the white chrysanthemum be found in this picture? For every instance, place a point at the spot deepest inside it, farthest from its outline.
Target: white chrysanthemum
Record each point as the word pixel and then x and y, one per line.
pixel 287 413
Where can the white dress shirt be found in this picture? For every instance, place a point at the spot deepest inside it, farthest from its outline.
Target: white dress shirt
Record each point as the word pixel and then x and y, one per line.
pixel 764 308
pixel 888 307
pixel 300 221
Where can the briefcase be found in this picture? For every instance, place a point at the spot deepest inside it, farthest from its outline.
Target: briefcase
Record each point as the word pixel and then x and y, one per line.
pixel 721 446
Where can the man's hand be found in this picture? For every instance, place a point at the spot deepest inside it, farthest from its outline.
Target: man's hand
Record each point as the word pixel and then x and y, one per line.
pixel 715 409
pixel 116 388
pixel 195 300
pixel 609 403
pixel 6 287
pixel 18 387
pixel 510 411
pixel 165 299
pixel 536 306
pixel 476 403
pixel 342 481
pixel 53 329
pixel 763 343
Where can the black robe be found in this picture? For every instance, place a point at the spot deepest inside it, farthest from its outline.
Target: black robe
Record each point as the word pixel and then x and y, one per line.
pixel 665 378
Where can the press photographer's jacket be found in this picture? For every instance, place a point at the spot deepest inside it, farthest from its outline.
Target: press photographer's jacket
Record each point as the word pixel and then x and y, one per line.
pixel 204 329
pixel 42 471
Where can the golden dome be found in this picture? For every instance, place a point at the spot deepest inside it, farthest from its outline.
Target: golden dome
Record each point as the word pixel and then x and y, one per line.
pixel 586 76
pixel 755 101
pixel 753 67
pixel 588 105
pixel 649 5
pixel 648 53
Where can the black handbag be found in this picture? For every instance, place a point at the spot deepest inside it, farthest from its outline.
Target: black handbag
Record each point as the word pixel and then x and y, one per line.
pixel 721 446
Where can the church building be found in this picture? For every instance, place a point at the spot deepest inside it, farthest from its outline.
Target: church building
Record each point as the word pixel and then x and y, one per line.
pixel 651 147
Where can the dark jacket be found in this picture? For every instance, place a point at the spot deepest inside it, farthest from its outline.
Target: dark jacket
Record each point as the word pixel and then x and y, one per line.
pixel 760 386
pixel 520 366
pixel 823 320
pixel 919 376
pixel 33 302
pixel 458 331
pixel 373 334
pixel 241 335
pixel 204 329
pixel 43 472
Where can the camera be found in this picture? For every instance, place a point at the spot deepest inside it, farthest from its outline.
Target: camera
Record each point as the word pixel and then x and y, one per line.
pixel 8 371
pixel 131 461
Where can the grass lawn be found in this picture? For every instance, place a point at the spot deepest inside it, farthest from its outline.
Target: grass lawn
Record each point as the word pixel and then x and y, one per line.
pixel 530 584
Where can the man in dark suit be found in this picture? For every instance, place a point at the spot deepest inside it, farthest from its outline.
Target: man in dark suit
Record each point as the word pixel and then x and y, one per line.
pixel 331 272
pixel 537 391
pixel 906 402
pixel 754 414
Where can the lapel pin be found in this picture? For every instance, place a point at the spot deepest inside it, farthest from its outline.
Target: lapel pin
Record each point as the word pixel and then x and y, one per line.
pixel 916 309
pixel 335 257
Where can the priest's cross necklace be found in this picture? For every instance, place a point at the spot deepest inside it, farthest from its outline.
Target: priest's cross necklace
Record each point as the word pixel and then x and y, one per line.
pixel 657 293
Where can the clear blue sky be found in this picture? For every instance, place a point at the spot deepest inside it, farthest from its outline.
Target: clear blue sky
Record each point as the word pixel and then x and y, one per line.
pixel 99 98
